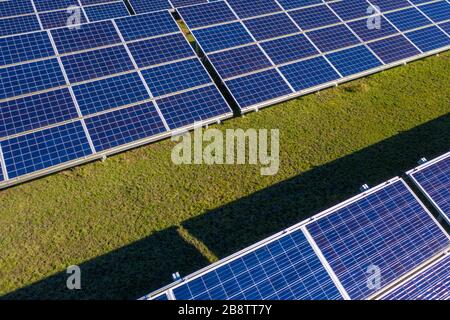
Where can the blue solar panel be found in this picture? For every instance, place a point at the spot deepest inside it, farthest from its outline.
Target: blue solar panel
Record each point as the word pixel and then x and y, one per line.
pixel 246 9
pixel 182 3
pixel 408 19
pixel 110 93
pixel 189 107
pixel 36 111
pixel 434 180
pixel 446 27
pixel 15 8
pixel 56 19
pixel 286 268
pixel 204 15
pixel 145 6
pixel 429 39
pixel 30 77
pixel 271 26
pixel 366 34
pixel 106 11
pixel 176 77
pixel 43 149
pixel 222 37
pixel 293 4
pixel 386 229
pixel 314 17
pixel 354 60
pixel 388 5
pixel 17 25
pixel 393 49
pixel 91 35
pixel 239 61
pixel 25 47
pixel 332 38
pixel 148 25
pixel 431 284
pixel 351 9
pixel 437 11
pixel 258 88
pixel 2 177
pixel 309 73
pixel 123 126
pixel 95 64
pixel 289 49
pixel 49 5
pixel 159 50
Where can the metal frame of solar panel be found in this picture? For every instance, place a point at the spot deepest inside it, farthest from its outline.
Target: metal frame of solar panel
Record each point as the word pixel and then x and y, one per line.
pixel 24 16
pixel 430 283
pixel 147 6
pixel 433 180
pixel 69 96
pixel 265 53
pixel 386 226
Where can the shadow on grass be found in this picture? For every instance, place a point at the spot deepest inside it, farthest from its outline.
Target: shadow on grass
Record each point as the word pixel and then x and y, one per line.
pixel 146 265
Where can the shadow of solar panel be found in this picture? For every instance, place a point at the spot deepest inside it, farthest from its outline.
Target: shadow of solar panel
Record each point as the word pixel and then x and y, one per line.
pixel 389 229
pixel 284 269
pixel 44 149
pixel 433 179
pixel 430 284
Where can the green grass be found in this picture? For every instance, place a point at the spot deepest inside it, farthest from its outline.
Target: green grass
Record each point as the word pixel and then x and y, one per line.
pixel 134 219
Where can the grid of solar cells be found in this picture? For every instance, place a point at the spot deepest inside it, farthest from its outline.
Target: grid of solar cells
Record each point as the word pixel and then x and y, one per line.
pixel 434 180
pixel 388 229
pixel 146 6
pixel 286 268
pixel 105 77
pixel 21 16
pixel 290 31
pixel 431 284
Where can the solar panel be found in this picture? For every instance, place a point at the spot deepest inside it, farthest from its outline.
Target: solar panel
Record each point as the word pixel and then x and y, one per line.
pixel 433 179
pixel 22 16
pixel 114 85
pixel 328 255
pixel 388 230
pixel 146 6
pixel 430 284
pixel 289 32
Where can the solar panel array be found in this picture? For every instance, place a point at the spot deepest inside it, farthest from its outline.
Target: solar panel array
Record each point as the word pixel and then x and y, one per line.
pixel 328 256
pixel 24 16
pixel 433 283
pixel 72 95
pixel 266 51
pixel 433 179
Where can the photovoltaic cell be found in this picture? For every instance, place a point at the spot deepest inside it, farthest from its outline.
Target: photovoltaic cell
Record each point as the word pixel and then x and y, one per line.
pixel 36 111
pixel 106 11
pixel 284 269
pixel 50 5
pixel 367 34
pixel 408 19
pixel 388 5
pixel 145 6
pixel 437 11
pixel 15 8
pixel 289 49
pixel 431 284
pixel 17 25
pixel 246 9
pixel 205 15
pixel 351 9
pixel 393 49
pixel 446 27
pixel 98 96
pixel 332 38
pixel 123 126
pixel 56 19
pixel 354 60
pixel 314 17
pixel 429 39
pixel 194 106
pixel 44 149
pixel 271 26
pixel 176 77
pixel 434 181
pixel 309 73
pixel 388 229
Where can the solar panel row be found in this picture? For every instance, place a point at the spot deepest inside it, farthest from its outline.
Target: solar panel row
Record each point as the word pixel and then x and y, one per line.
pixel 99 89
pixel 267 51
pixel 330 256
pixel 433 179
pixel 24 16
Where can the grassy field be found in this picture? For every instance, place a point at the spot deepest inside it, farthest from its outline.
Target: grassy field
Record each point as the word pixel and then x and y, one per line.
pixel 131 221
